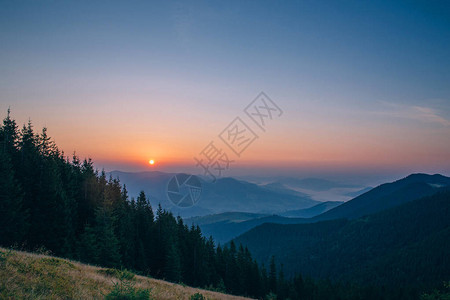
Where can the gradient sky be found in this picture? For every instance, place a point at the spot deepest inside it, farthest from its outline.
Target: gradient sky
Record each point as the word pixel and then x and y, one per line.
pixel 364 85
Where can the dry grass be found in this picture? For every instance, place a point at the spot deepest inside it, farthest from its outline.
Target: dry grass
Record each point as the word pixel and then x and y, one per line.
pixel 34 276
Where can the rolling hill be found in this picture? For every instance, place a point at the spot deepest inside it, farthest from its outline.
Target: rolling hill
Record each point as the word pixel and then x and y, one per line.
pixel 35 276
pixel 235 217
pixel 406 245
pixel 225 230
pixel 386 196
pixel 224 227
pixel 311 211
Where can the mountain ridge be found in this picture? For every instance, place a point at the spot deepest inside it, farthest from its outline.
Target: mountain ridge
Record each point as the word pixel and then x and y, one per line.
pixel 225 195
pixel 407 244
pixel 383 197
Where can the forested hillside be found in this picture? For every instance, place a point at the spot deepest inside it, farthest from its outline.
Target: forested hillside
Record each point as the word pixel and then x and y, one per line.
pixel 387 195
pixel 54 204
pixel 383 197
pixel 70 209
pixel 405 247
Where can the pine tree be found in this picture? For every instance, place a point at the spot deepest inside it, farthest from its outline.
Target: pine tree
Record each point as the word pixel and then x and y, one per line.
pixel 13 225
pixel 98 244
pixel 88 246
pixel 264 281
pixel 125 229
pixel 89 200
pixel 29 167
pixel 9 136
pixel 69 208
pixel 144 233
pixel 282 287
pixel 107 243
pixel 173 266
pixel 273 276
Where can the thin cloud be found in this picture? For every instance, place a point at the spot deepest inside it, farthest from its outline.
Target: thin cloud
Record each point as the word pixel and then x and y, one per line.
pixel 431 115
pixel 414 112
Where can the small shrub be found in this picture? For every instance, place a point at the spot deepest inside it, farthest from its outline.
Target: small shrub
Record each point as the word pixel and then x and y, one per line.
pixel 119 274
pixel 443 294
pixel 109 272
pixel 43 251
pixel 220 288
pixel 271 296
pixel 126 275
pixel 4 255
pixel 197 296
pixel 126 291
pixel 2 258
pixel 57 262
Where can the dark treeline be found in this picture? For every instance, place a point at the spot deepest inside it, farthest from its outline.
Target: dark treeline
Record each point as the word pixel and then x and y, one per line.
pixel 69 208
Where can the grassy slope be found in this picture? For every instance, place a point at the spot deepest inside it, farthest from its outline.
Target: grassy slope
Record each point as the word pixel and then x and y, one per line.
pixel 34 276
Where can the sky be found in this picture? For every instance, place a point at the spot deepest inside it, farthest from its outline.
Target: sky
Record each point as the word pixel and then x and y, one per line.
pixel 363 86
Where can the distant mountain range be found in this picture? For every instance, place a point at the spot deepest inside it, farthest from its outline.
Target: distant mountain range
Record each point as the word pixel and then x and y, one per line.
pixel 317 188
pixel 225 195
pixel 230 207
pixel 226 226
pixel 314 184
pixel 395 234
pixel 223 230
pixel 312 211
pixel 387 195
pixel 375 200
pixel 235 217
pixel 407 245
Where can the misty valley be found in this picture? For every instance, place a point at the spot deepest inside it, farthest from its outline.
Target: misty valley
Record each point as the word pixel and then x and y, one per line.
pixel 242 238
pixel 225 150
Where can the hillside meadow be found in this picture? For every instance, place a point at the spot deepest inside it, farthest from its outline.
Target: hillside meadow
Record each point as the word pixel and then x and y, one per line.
pixel 26 275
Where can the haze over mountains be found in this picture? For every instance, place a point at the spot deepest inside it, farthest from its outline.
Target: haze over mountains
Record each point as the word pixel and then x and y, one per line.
pixel 312 211
pixel 229 194
pixel 314 118
pixel 225 226
pixel 396 235
pixel 378 199
pixel 317 188
pixel 388 195
pixel 230 207
pixel 405 246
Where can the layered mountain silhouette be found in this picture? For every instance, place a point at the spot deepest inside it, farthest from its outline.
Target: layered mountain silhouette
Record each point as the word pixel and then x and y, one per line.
pixel 312 211
pixel 223 227
pixel 224 230
pixel 378 199
pixel 224 195
pixel 386 196
pixel 405 245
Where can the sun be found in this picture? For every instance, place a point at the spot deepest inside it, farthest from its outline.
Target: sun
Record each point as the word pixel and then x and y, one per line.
pixel 151 161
